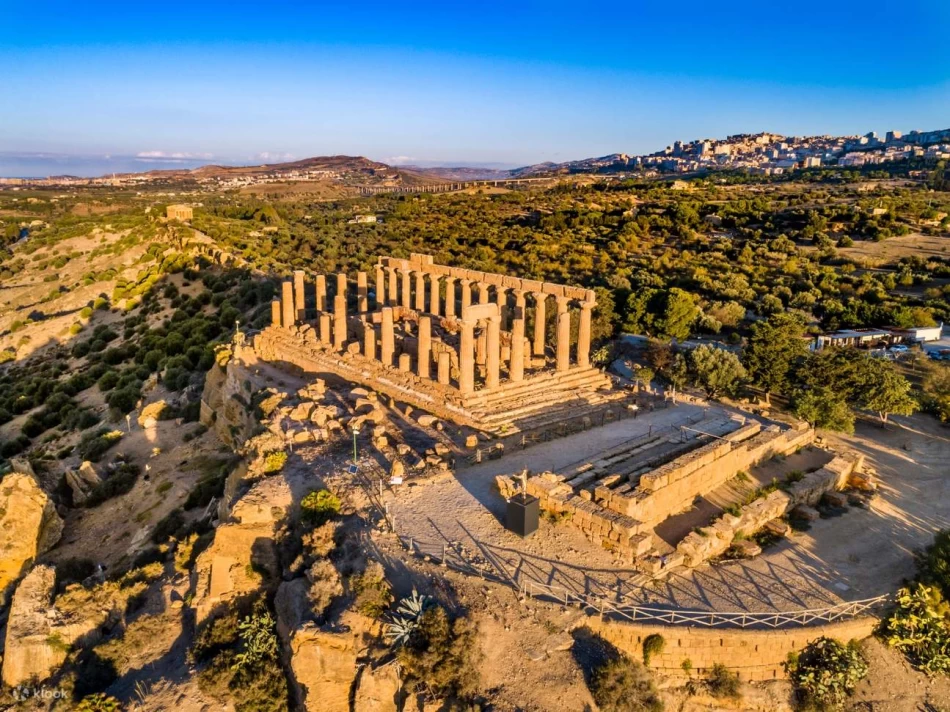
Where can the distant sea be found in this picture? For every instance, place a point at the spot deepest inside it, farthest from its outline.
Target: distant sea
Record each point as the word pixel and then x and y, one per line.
pixel 41 165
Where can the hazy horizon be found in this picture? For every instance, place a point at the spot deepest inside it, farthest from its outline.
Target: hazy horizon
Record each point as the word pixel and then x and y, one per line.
pixel 110 87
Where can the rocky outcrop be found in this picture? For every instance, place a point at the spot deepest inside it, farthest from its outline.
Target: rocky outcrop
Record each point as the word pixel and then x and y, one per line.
pixel 151 414
pixel 378 690
pixel 28 653
pixel 243 556
pixel 29 524
pixel 324 664
pixel 82 481
pixel 225 404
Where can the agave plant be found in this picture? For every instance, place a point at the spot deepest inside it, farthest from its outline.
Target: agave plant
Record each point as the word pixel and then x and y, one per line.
pixel 405 619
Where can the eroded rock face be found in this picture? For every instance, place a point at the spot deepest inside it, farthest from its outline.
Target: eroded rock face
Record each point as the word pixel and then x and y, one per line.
pixel 377 690
pixel 28 653
pixel 29 524
pixel 324 664
pixel 244 550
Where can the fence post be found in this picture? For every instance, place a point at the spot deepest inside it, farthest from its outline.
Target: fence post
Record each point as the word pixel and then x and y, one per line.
pixel 410 545
pixel 444 563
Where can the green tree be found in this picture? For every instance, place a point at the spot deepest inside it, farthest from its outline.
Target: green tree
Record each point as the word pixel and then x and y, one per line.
pixel 884 390
pixel 775 346
pixel 825 408
pixel 678 314
pixel 716 370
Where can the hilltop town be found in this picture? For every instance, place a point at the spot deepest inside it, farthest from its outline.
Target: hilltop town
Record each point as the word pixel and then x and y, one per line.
pixel 765 154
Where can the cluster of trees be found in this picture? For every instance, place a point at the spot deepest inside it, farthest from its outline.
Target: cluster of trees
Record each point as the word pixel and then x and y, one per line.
pixel 669 271
pixel 825 388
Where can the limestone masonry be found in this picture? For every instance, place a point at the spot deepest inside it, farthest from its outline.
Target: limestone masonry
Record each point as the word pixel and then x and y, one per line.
pixel 454 341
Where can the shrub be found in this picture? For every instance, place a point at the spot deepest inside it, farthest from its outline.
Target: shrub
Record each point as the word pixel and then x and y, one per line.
pixel 373 594
pixel 170 523
pixel 826 672
pixel 441 655
pixel 624 685
pixel 920 628
pixel 99 702
pixel 723 683
pixel 652 645
pixel 121 481
pixel 244 663
pixel 94 445
pixel 933 567
pixel 319 506
pixel 274 461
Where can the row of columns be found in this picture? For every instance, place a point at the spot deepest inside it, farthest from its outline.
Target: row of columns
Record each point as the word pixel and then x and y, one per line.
pixel 291 309
pixel 394 286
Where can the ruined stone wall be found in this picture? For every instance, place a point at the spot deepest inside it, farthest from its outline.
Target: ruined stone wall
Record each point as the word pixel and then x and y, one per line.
pixel 715 539
pixel 753 654
pixel 673 487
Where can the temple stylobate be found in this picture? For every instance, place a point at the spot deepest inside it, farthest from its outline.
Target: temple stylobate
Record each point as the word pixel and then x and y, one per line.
pixel 477 341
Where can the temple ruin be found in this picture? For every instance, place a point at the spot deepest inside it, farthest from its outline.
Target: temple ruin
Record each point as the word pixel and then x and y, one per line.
pixel 470 346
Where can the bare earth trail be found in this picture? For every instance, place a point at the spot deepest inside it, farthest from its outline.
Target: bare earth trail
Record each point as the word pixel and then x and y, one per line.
pixel 860 554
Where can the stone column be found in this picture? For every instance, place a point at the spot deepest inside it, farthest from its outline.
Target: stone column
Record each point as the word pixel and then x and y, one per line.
pixel 466 293
pixel 539 319
pixel 275 312
pixel 450 296
pixel 362 293
pixel 300 302
pixel 387 344
pixel 341 284
pixel 393 298
pixel 516 363
pixel 445 367
pixel 434 295
pixel 325 337
pixel 406 300
pixel 380 286
pixel 467 357
pixel 287 304
pixel 420 290
pixel 339 322
pixel 493 355
pixel 424 355
pixel 501 299
pixel 563 335
pixel 482 293
pixel 583 335
pixel 321 293
pixel 369 342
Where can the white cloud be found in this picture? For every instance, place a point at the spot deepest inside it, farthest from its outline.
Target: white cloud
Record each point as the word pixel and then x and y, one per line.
pixel 400 160
pixel 173 156
pixel 268 157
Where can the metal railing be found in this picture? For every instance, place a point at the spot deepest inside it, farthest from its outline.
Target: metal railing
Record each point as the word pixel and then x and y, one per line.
pixel 710 619
pixel 448 554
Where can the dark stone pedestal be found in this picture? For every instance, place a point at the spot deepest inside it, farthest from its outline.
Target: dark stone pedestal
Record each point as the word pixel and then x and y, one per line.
pixel 522 515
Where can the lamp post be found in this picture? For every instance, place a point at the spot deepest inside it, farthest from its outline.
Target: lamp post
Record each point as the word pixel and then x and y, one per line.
pixel 356 431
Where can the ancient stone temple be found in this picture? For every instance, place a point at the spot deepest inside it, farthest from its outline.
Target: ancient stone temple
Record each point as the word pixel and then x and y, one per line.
pixel 476 345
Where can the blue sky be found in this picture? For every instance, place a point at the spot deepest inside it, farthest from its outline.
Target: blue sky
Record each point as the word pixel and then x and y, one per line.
pixel 98 86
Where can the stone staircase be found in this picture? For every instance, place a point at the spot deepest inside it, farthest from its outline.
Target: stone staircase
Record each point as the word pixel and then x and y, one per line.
pixel 544 400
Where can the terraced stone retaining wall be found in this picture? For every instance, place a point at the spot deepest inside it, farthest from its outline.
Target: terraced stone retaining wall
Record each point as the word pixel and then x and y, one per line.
pixel 753 654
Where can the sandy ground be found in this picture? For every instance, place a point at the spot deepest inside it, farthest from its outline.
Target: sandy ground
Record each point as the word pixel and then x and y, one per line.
pixel 893 248
pixel 860 554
